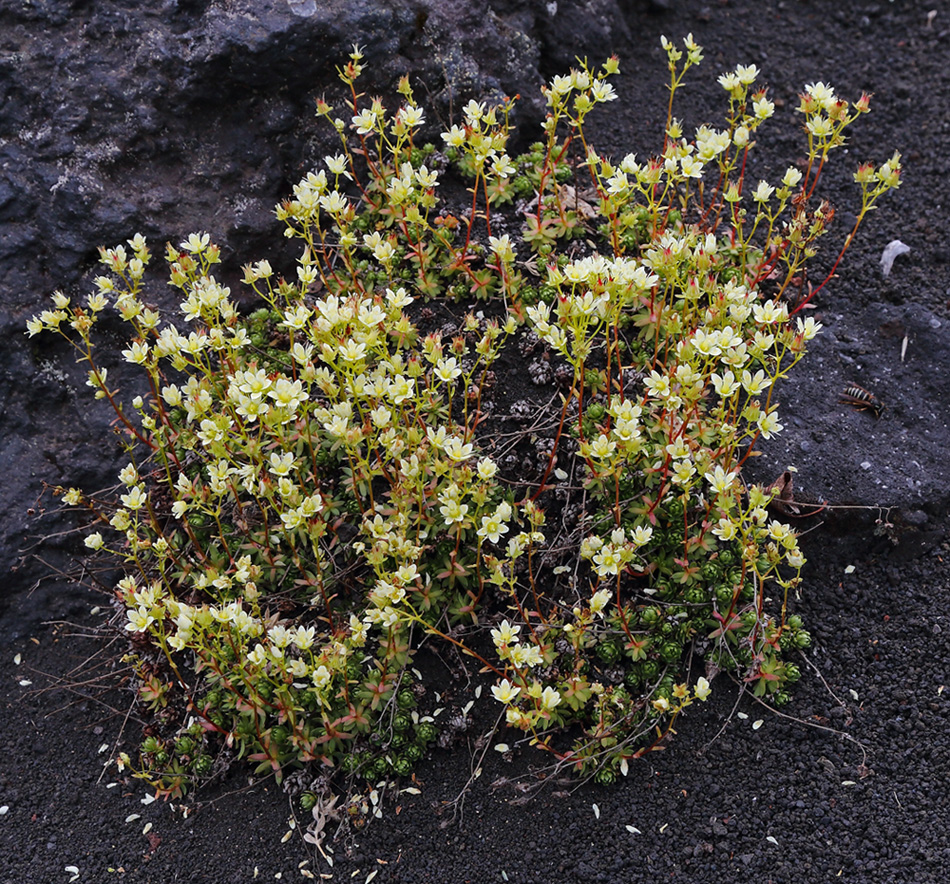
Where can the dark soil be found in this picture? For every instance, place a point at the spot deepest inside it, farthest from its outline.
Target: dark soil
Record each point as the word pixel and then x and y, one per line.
pixel 849 782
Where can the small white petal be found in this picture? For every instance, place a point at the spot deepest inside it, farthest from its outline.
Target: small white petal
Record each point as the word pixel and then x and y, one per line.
pixel 891 251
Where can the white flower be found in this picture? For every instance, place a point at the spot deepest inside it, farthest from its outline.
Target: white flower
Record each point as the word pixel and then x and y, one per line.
pixel 808 328
pixel 641 535
pixel 763 108
pixel 755 384
pixel 599 601
pixel 505 692
pixel 608 562
pixel 549 698
pixel 823 94
pixel 768 424
pixel 139 619
pixel 135 499
pixel 692 167
pixel 337 164
pixel 486 468
pixel 457 449
pixel 820 127
pixel 503 168
pixel 792 177
pixel 603 447
pixel 746 74
pixel 412 115
pixel 702 689
pixel 447 369
pixel 505 634
pixel 455 137
pixel 763 192
pixel 501 246
pixel 725 530
pixel 196 242
pixel 725 384
pixel 365 121
pixel 137 353
pixel 453 511
pixel 730 82
pixel 321 677
pixel 721 480
pixel 492 528
pixel 522 655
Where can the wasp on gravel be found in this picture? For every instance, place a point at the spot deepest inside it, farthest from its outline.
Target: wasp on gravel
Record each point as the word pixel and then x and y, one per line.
pixel 863 400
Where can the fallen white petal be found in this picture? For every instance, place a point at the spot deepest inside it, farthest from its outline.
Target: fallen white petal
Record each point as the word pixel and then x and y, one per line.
pixel 892 250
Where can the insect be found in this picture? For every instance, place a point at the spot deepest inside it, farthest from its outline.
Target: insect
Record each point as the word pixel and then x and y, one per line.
pixel 862 399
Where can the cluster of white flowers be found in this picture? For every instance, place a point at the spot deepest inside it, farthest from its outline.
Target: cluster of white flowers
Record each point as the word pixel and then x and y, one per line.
pixel 612 557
